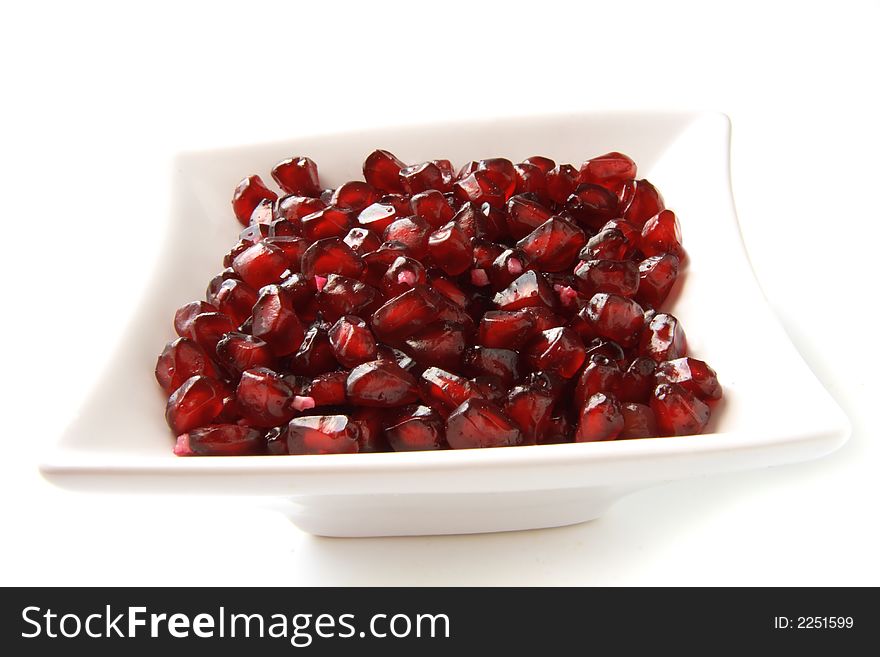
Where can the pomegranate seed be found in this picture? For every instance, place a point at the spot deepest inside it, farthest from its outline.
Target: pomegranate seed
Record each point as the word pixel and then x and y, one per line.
pixel 592 206
pixel 400 202
pixel 369 422
pixel 181 360
pixel 507 267
pixel 608 244
pixel 422 177
pixel 524 215
pixel 612 276
pixel 678 411
pixel 416 428
pixel 529 289
pixel 405 314
pixel 238 352
pixel 275 321
pixel 433 208
pixel 354 196
pixel 221 440
pixel 485 252
pixel 471 220
pixel 638 381
pixel 184 316
pixel 561 182
pixel 341 295
pixel 412 232
pixel 328 389
pixel 207 329
pixel 440 343
pixel 616 318
pixel 194 404
pixel 332 221
pixel 554 245
pixel 362 240
pixel 663 339
pixel 481 187
pixel 559 430
pixel 501 172
pixel 448 289
pixel 638 421
pixel 376 263
pixel 352 341
pixel 544 164
pixel 443 391
pixel 480 423
pixel 293 208
pixel 505 329
pixel 691 374
pixel 260 264
pixel 501 363
pixel 331 256
pixel 264 213
pixel 530 180
pixel 657 275
pixel 610 171
pixel 248 194
pixel 661 234
pixel 601 419
pixel 297 175
pixel 381 383
pixel 403 274
pixel 322 434
pixel 607 348
pixel 315 355
pixel 377 217
pixel 558 350
pixel 292 247
pixel 600 375
pixel 642 201
pixel 235 299
pixel 450 249
pixel 264 398
pixel 382 171
pixel 531 409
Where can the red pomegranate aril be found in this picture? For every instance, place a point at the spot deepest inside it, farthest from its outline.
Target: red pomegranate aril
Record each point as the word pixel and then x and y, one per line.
pixel 544 164
pixel 524 215
pixel 432 207
pixel 678 411
pixel 410 231
pixel 184 316
pixel 559 430
pixel 531 409
pixel 562 180
pixel 260 264
pixel 544 319
pixel 376 263
pixel 264 213
pixel 292 247
pixel 284 228
pixel 601 374
pixel 507 267
pixel 293 208
pixel 692 375
pixel 612 276
pixel 331 256
pixel 494 223
pixel 663 339
pixel 233 253
pixel 301 289
pixel 195 403
pixel 352 341
pixel 608 244
pixel 529 289
pixel 501 172
pixel 297 175
pixel 418 178
pixel 275 321
pixel 485 253
pixel 328 389
pixel 377 217
pixel 403 274
pixel 501 363
pixel 607 348
pixel 480 423
pixel 322 434
pixel 400 202
pixel 554 245
pixel 213 285
pixel 181 360
pixel 610 171
pixel 340 295
pixel 206 329
pixel 405 314
pixel 641 201
pixel 661 234
pixel 657 275
pixel 221 440
pixel 638 421
pixel 382 171
pixel 481 187
pixel 443 390
pixel 264 398
pixel 638 381
pixel 315 355
pixel 370 425
pixel 248 194
pixel 558 350
pixel 450 249
pixel 615 317
pixel 488 387
pixel 503 329
pixel 238 352
pixel 530 180
pixel 354 196
pixel 601 419
pixel 362 240
pixel 471 220
pixel 415 428
pixel 332 221
pixel 448 289
pixel 235 299
pixel 381 383
pixel 440 344
pixel 592 206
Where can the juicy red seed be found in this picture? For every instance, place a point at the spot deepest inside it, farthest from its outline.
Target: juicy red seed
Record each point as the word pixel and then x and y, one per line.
pixel 432 207
pixel 238 352
pixel 524 215
pixel 341 295
pixel 213 285
pixel 481 187
pixel 382 171
pixel 485 252
pixel 381 383
pixel 544 319
pixel 471 220
pixel 638 381
pixel 232 254
pixel 638 421
pixel 292 247
pixel 615 317
pixel 419 178
pixel 530 180
pixel 440 344
pixel 322 434
pixel 529 289
pixel 507 267
pixel 662 234
pixel 561 182
pixel 248 194
pixel 657 275
pixel 354 196
pixel 377 217
pixel 410 231
pixel 544 164
pixel 607 348
pixel 207 329
pixel 195 403
pixel 297 175
pixel 264 398
pixel 505 329
pixel 369 422
pixel 558 350
pixel 376 263
pixel 601 419
pixel 678 411
pixel 501 363
pixel 559 430
pixel 300 288
pixel 612 276
pixel 608 244
pixel 332 221
pixel 235 299
pixel 554 245
pixel 264 213
pixel 449 248
pixel 315 355
pixel 501 172
pixel 642 201
pixel 403 274
pixel 400 202
pixel 331 256
pixel 221 440
pixel 495 222
pixel 260 264
pixel 415 428
pixel 184 316
pixel 293 208
pixel 600 375
pixel 692 375
pixel 480 423
pixel 275 321
pixel 592 205
pixel 663 339
pixel 328 389
pixel 448 289
pixel 443 391
pixel 181 360
pixel 531 409
pixel 352 341
pixel 405 314
pixel 362 240
pixel 610 171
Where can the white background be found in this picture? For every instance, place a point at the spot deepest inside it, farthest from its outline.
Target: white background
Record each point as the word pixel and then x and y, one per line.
pixel 99 97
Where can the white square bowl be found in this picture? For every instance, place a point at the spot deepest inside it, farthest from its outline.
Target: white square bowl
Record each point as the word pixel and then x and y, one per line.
pixel 774 411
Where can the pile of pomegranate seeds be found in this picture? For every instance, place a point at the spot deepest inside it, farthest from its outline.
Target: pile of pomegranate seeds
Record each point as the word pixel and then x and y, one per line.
pixel 505 304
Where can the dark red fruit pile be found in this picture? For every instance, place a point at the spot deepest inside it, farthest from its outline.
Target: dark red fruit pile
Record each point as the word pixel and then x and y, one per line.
pixel 506 304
